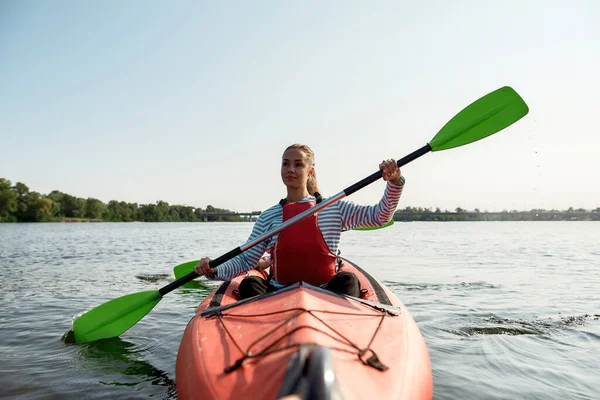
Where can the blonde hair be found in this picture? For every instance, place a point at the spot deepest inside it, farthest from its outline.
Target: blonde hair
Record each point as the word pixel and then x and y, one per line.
pixel 311 183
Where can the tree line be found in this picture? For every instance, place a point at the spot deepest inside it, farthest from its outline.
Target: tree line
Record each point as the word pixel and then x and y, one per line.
pixel 427 214
pixel 19 204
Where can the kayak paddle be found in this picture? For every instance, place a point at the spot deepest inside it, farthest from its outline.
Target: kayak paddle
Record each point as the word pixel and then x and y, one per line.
pixel 482 118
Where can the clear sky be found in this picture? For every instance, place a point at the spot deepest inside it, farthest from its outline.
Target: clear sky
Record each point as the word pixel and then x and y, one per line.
pixel 193 102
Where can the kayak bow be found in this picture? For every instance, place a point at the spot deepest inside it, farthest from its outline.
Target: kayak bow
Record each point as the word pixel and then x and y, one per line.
pixel 306 341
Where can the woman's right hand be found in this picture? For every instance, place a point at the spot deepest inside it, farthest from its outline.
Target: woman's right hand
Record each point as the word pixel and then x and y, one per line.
pixel 202 268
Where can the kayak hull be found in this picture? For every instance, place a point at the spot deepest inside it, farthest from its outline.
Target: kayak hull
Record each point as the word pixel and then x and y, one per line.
pixel 269 346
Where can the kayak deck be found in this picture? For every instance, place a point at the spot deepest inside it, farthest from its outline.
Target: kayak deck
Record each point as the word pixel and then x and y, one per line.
pixel 253 348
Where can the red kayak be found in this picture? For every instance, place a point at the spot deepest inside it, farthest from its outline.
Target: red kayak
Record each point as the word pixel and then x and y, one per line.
pixel 305 341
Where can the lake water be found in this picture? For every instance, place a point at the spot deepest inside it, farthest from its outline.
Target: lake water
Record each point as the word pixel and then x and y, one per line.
pixel 509 310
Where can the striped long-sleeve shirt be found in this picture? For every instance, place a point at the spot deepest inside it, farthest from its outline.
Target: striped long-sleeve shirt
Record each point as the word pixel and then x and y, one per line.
pixel 332 220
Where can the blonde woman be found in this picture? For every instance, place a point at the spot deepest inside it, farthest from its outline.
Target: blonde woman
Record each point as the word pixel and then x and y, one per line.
pixel 307 251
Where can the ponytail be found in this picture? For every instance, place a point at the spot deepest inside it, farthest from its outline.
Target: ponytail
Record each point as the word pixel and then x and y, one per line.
pixel 311 184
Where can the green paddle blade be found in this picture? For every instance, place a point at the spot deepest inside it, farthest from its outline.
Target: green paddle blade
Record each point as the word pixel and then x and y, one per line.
pixel 482 118
pixel 114 317
pixel 184 269
pixel 372 228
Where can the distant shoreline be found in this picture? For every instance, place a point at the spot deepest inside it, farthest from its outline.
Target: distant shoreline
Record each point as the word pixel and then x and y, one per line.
pixel 404 216
pixel 538 215
pixel 19 204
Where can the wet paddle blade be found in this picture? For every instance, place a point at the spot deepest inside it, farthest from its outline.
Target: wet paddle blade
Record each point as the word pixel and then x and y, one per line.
pixel 114 317
pixel 372 228
pixel 184 269
pixel 482 118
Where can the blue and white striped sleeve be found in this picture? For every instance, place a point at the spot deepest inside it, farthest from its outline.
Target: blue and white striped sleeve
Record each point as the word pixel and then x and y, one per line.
pixel 355 216
pixel 249 259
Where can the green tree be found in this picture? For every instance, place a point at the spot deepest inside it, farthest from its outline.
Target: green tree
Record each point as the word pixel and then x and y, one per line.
pixel 94 208
pixel 8 199
pixel 135 212
pixel 174 214
pixel 28 204
pixel 114 211
pixel 147 212
pixel 44 209
pixel 122 211
pixel 22 192
pixel 57 199
pixel 73 207
pixel 187 214
pixel 161 211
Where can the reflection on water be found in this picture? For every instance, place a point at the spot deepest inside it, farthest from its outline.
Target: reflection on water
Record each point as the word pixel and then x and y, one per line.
pixel 195 287
pixel 438 286
pixel 123 362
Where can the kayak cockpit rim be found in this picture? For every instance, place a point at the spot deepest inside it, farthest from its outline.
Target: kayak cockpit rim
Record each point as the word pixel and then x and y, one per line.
pixel 390 310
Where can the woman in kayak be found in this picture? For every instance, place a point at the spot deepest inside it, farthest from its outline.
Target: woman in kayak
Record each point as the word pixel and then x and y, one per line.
pixel 306 251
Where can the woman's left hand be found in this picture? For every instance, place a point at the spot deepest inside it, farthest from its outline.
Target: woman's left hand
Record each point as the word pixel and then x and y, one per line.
pixel 390 169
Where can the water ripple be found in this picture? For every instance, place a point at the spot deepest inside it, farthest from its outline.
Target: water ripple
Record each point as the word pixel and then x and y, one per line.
pixel 441 286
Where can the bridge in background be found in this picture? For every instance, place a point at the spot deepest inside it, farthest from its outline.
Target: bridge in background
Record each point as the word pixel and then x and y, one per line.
pixel 246 216
pixel 232 214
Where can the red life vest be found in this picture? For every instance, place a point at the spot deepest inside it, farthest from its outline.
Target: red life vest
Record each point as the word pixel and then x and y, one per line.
pixel 301 253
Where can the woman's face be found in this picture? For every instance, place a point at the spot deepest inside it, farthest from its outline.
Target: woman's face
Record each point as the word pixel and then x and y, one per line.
pixel 295 168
